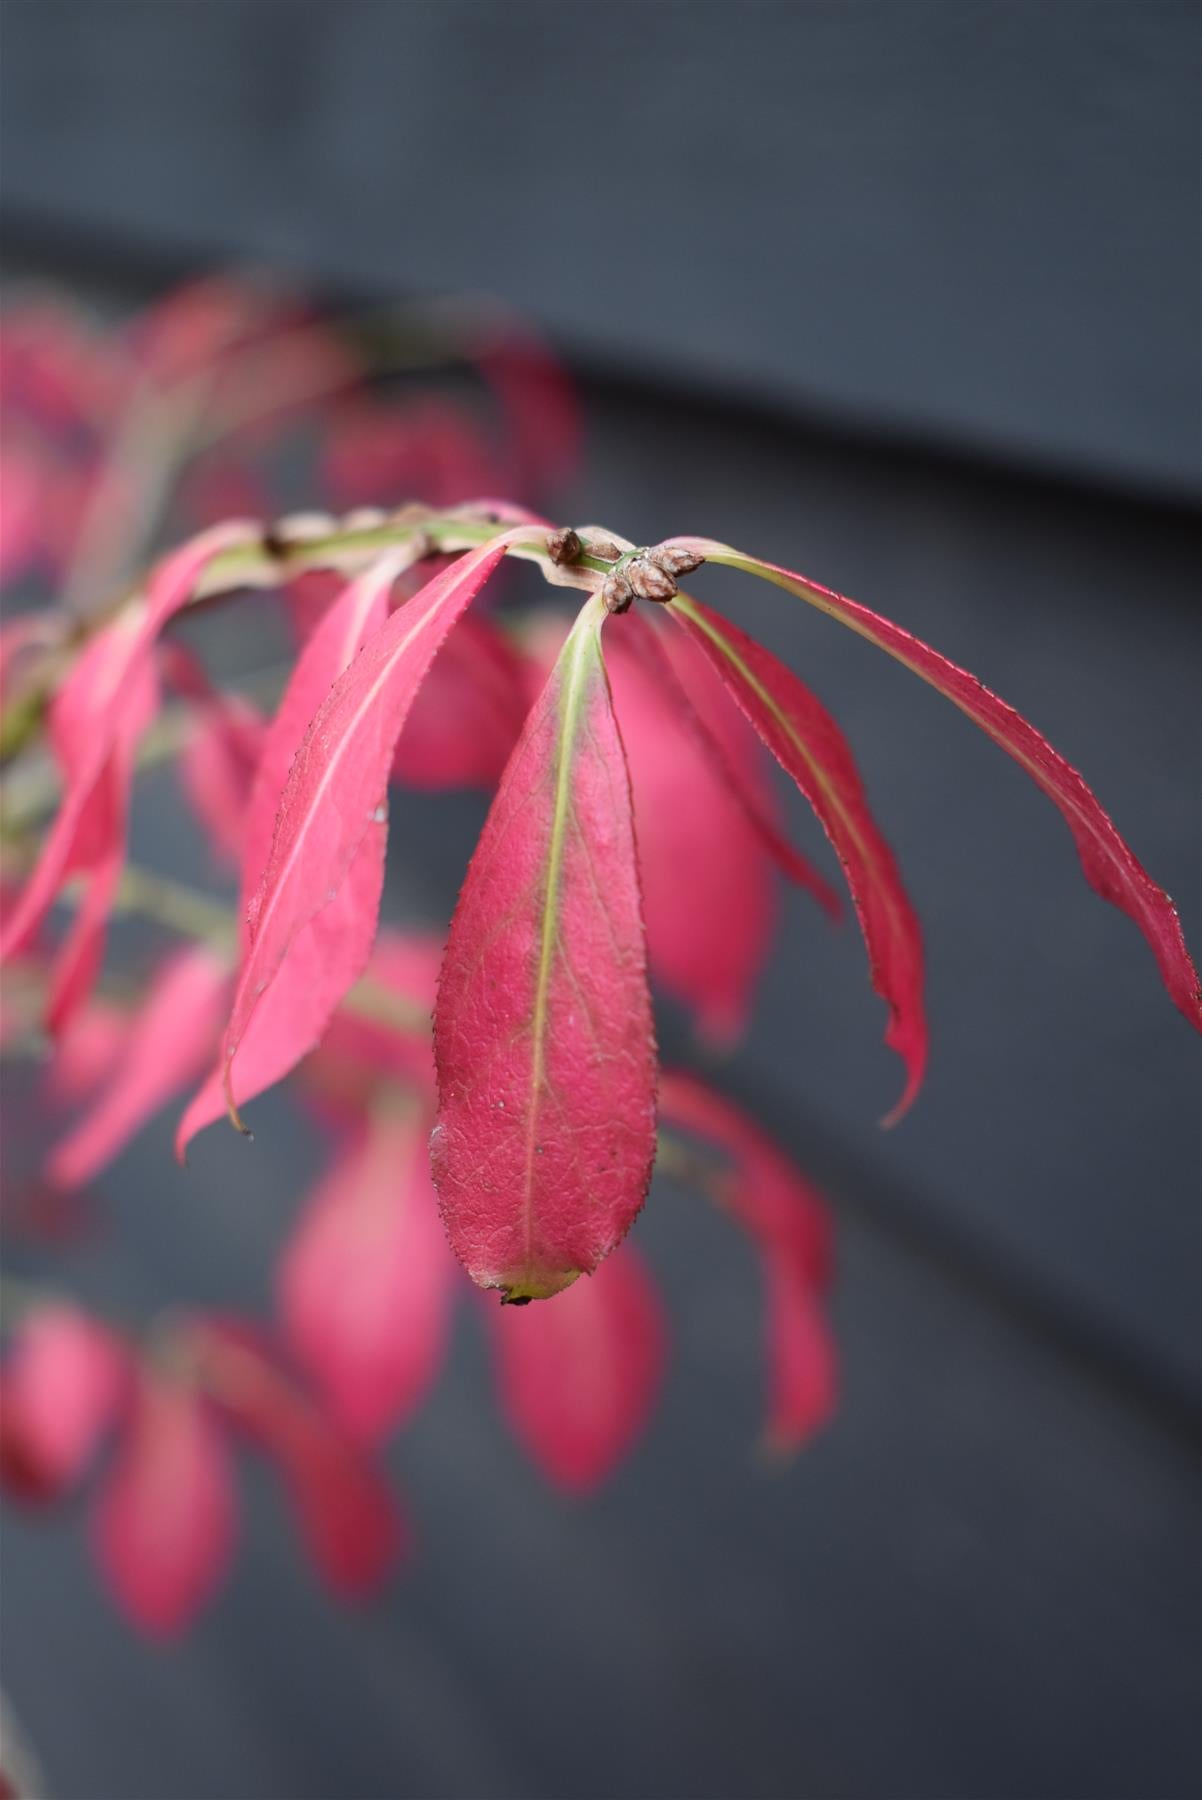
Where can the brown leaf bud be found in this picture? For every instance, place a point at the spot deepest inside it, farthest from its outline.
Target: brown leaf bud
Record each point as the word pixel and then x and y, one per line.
pixel 675 559
pixel 295 529
pixel 649 580
pixel 564 546
pixel 616 592
pixel 603 548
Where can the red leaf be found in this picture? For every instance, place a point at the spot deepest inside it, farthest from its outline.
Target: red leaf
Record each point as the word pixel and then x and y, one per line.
pixel 542 1033
pixel 359 1054
pixel 810 747
pixel 541 416
pixel 84 1055
pixel 55 370
pixel 27 478
pixel 708 887
pixel 787 1217
pixel 96 721
pixel 329 951
pixel 347 1514
pixel 61 1384
pixel 98 855
pixel 196 324
pixel 1110 866
pixel 427 450
pixel 164 1521
pixel 365 1282
pixel 469 712
pixel 168 1041
pixel 220 760
pixel 701 700
pixel 332 801
pixel 578 1380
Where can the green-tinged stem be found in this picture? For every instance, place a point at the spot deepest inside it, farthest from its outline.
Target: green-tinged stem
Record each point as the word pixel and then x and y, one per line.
pixel 260 561
pixel 254 564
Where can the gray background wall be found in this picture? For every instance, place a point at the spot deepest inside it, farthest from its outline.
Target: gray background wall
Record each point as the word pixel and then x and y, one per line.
pixel 974 222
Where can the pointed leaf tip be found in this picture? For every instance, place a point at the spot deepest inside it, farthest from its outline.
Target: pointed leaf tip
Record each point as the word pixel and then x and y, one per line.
pixel 810 747
pixel 1108 863
pixel 543 1037
pixel 787 1219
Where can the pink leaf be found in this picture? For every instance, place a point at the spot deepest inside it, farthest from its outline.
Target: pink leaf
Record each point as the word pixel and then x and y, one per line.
pixel 27 479
pixel 365 1282
pixel 164 1521
pixel 427 450
pixel 332 801
pixel 708 886
pixel 541 415
pixel 787 1218
pixel 169 1040
pixel 1110 866
pixel 578 1380
pixel 96 721
pixel 329 950
pixel 360 1053
pixel 84 1055
pixel 810 747
pixel 55 370
pixel 219 762
pixel 700 697
pixel 469 713
pixel 61 1384
pixel 346 1511
pixel 543 1037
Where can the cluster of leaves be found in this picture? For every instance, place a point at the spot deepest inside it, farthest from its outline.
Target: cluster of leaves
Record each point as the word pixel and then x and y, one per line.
pixel 632 835
pixel 366 1284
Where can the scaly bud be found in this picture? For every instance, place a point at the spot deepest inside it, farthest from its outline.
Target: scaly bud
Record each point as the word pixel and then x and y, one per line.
pixel 649 580
pixel 617 595
pixel 564 546
pixel 674 559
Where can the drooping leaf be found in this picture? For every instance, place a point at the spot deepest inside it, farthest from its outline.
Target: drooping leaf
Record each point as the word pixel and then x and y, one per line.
pixel 347 1513
pixel 469 712
pixel 708 886
pixel 810 747
pixel 363 1049
pixel 332 799
pixel 168 1041
pixel 219 762
pixel 56 371
pixel 427 450
pixel 543 1038
pixel 364 1285
pixel 60 1386
pixel 164 1520
pixel 699 697
pixel 330 948
pixel 27 474
pixel 98 853
pixel 578 1380
pixel 1109 864
pixel 96 721
pixel 542 442
pixel 787 1219
pixel 84 1055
